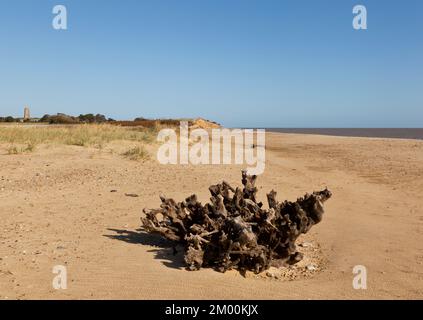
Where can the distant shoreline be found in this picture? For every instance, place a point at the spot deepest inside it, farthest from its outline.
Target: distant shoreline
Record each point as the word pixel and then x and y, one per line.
pixel 390 133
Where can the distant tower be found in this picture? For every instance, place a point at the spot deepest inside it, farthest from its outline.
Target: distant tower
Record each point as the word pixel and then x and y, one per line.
pixel 27 115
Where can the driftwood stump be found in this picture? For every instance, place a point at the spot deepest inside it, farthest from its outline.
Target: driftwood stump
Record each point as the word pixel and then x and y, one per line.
pixel 233 230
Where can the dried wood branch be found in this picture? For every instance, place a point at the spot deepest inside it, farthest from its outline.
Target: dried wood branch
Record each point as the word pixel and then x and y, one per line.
pixel 233 230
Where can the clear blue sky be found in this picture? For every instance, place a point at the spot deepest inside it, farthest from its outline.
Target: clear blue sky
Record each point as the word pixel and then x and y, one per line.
pixel 251 63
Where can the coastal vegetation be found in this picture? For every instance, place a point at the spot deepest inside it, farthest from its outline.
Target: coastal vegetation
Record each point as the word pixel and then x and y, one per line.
pixel 25 139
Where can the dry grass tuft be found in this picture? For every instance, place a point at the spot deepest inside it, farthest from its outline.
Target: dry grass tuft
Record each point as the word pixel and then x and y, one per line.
pixel 137 153
pixel 12 150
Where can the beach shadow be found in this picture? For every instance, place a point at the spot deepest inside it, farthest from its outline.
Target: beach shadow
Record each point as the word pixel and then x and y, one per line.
pixel 165 250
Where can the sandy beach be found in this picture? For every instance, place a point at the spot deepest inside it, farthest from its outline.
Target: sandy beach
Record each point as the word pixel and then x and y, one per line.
pixel 57 208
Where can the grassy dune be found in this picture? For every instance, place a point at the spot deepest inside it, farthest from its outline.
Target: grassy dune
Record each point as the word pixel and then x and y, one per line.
pixel 25 138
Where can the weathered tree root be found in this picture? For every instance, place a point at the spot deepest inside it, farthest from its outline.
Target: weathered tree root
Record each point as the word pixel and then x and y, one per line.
pixel 233 230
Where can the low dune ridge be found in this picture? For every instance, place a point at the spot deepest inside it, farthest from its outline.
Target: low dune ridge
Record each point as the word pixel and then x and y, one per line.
pixel 80 206
pixel 201 123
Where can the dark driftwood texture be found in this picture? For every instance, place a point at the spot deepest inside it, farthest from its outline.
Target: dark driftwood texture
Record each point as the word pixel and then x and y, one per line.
pixel 233 230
